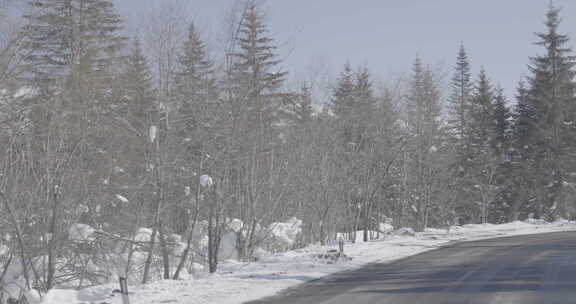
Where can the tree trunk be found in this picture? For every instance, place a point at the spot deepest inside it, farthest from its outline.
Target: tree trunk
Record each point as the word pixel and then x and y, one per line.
pixel 165 253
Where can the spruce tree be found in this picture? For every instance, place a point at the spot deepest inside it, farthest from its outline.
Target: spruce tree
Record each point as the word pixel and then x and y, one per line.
pixel 500 144
pixel 423 111
pixel 481 116
pixel 354 105
pixel 522 185
pixel 304 110
pixel 59 33
pixel 524 131
pixel 422 102
pixel 255 101
pixel 343 93
pixel 137 103
pixel 551 93
pixel 459 102
pixel 255 72
pixel 502 123
pixel 195 88
pixel 459 129
pixel 364 108
pixel 482 164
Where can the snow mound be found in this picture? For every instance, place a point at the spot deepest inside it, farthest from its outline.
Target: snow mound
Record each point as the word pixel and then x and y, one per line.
pixel 536 221
pixel 80 232
pixel 122 198
pixel 4 249
pixel 236 225
pixel 206 181
pixel 238 282
pixel 385 228
pixel 405 231
pixel 287 232
pixel 143 235
pixel 152 132
pixel 227 250
pixel 60 296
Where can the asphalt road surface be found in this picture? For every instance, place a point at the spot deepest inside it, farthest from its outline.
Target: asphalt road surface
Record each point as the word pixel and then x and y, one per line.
pixel 521 269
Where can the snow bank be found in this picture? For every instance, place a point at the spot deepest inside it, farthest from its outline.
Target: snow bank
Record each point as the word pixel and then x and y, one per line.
pixel 235 225
pixel 122 198
pixel 227 250
pixel 143 235
pixel 4 249
pixel 60 296
pixel 206 181
pixel 240 282
pixel 385 228
pixel 80 232
pixel 288 231
pixel 283 235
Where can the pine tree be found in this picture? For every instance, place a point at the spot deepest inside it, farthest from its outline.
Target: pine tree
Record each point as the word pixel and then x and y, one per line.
pixel 552 96
pixel 255 73
pixel 482 163
pixel 73 44
pixel 255 102
pixel 304 110
pixel 521 185
pixel 363 92
pixel 343 93
pixel 60 33
pixel 195 89
pixel 196 100
pixel 137 103
pixel 502 123
pixel 422 103
pixel 459 130
pixel 363 109
pixel 459 101
pixel 524 131
pixel 500 144
pixel 423 111
pixel 481 116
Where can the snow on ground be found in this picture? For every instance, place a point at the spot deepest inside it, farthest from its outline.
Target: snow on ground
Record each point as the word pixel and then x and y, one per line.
pixel 239 282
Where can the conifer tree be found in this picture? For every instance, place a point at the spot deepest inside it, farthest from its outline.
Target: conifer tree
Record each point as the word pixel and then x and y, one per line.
pixel 138 96
pixel 523 128
pixel 196 101
pixel 60 33
pixel 304 109
pixel 423 111
pixel 501 144
pixel 363 109
pixel 132 115
pixel 459 130
pixel 353 104
pixel 343 92
pixel 551 93
pixel 256 76
pixel 195 93
pixel 459 102
pixel 254 101
pixel 482 164
pixel 422 101
pixel 522 184
pixel 502 123
pixel 481 118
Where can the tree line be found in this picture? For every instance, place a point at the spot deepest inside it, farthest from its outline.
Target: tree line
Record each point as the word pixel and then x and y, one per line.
pixel 93 133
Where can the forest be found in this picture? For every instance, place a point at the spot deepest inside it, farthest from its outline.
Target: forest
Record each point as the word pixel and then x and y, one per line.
pixel 143 156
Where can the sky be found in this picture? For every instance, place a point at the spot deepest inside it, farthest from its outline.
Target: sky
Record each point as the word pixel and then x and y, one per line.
pixel 317 37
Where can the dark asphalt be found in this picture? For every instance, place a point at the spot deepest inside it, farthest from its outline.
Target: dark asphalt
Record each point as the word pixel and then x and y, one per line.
pixel 521 269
